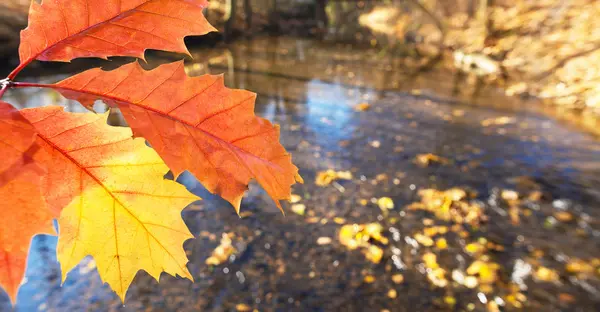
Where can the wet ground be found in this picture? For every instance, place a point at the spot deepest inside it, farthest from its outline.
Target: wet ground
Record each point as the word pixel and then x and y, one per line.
pixel 519 231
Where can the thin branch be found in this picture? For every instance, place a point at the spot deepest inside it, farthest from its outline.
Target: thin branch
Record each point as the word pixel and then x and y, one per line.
pixel 31 85
pixel 4 84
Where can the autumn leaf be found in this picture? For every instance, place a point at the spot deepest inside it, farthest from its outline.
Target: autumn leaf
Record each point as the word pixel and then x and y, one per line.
pixel 23 212
pixel 195 124
pixel 119 208
pixel 61 30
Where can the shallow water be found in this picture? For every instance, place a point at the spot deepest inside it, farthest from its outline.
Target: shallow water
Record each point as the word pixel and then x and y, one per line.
pixel 311 88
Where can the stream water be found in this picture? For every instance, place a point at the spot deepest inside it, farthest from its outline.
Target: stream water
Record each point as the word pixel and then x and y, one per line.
pixel 491 143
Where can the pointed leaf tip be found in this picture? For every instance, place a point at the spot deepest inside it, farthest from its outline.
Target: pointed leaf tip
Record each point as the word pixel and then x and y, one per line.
pixel 62 30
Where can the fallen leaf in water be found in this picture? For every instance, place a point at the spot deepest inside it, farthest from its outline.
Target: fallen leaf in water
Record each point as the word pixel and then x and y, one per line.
pixel 295 198
pixel 245 214
pixel 441 243
pixel 374 254
pixel 326 177
pixel 458 113
pixel 430 260
pixel 312 220
pixel 362 107
pixel 373 230
pixel 504 120
pixel 429 159
pixel 381 177
pixel 222 252
pixel 392 294
pixel 546 274
pixel 535 196
pixel 450 205
pixel 579 266
pixel 449 300
pixel 339 220
pixel 355 236
pixel 509 195
pixel 242 307
pixel 566 298
pixel 385 204
pixel 424 240
pixel 299 209
pixel 563 216
pixel 474 248
pixel 435 274
pixel 369 279
pixel 324 241
pixel 398 278
pixel 486 270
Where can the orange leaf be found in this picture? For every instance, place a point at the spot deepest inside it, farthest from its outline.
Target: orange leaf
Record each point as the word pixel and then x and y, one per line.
pixel 61 30
pixel 23 212
pixel 195 124
pixel 119 208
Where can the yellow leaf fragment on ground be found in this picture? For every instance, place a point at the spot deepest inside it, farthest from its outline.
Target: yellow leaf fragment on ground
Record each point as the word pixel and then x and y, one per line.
pixel 450 205
pixel 299 209
pixel 429 159
pixel 563 216
pixel 546 274
pixel 441 243
pixel 398 278
pixel 223 251
pixel 245 214
pixel 392 294
pixel 435 274
pixel 449 300
pixel 362 236
pixel 424 240
pixel 509 195
pixel 374 253
pixel 369 279
pixel 458 113
pixel 339 220
pixel 500 121
pixel 385 203
pixel 474 248
pixel 326 177
pixel 576 265
pixel 362 107
pixel 295 198
pixel 486 271
pixel 324 240
pixel 242 307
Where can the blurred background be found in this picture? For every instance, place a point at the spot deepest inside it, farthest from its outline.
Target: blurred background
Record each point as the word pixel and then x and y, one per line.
pixel 450 151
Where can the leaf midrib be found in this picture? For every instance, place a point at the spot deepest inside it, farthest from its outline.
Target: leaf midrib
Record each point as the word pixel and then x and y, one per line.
pixel 164 114
pixel 116 200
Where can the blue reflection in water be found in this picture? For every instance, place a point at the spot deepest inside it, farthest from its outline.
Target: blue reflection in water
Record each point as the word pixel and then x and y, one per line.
pixel 329 114
pixel 42 269
pixel 42 287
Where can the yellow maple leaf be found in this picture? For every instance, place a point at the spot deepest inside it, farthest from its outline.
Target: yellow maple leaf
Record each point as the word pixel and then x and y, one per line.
pixel 119 208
